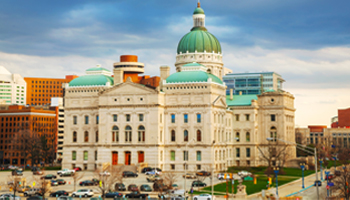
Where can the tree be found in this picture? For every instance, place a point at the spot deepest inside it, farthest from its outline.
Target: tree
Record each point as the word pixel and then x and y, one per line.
pixel 42 184
pixel 107 181
pixel 14 183
pixel 341 184
pixel 169 178
pixel 76 177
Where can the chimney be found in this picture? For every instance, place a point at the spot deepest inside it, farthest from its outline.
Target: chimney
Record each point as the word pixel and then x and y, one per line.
pixel 231 94
pixel 164 72
pixel 118 76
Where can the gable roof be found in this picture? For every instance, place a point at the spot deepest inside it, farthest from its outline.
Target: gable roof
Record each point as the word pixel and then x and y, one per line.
pixel 241 100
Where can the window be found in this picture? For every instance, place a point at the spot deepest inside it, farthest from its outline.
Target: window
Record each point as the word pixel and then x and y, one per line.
pixel 95 155
pixel 172 166
pixel 199 118
pixel 74 136
pixel 96 136
pixel 185 136
pixel 199 136
pixel 185 155
pixel 172 155
pixel 86 119
pixel 86 155
pixel 173 138
pixel 86 136
pixel 115 118
pixel 75 120
pixel 172 118
pixel 248 152
pixel 115 134
pixel 199 156
pixel 128 117
pixel 74 155
pixel 273 133
pixel 141 117
pixel 247 117
pixel 238 153
pixel 237 137
pixel 141 134
pixel 128 136
pixel 247 136
pixel 185 118
pixel 237 117
pixel 97 119
pixel 273 118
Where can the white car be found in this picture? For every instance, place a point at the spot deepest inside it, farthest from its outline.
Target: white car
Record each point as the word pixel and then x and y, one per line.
pixel 83 193
pixel 105 173
pixel 221 176
pixel 9 197
pixel 64 171
pixel 244 173
pixel 203 196
pixel 153 172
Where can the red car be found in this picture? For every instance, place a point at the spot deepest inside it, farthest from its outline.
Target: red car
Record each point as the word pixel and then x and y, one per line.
pixel 330 177
pixel 77 169
pixel 133 188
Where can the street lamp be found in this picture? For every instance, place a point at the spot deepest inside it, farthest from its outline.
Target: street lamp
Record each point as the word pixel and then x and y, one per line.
pixel 212 170
pixel 306 149
pixel 276 170
pixel 186 159
pixel 302 165
pixel 321 168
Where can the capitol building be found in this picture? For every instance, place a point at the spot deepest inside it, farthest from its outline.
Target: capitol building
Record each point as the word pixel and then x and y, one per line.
pixel 188 118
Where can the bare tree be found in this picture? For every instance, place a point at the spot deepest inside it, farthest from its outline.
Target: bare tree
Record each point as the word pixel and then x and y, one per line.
pixel 341 184
pixel 169 178
pixel 107 180
pixel 76 177
pixel 43 185
pixel 14 183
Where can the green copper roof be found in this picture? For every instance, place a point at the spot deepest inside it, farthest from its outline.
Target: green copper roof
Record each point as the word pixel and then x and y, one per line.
pixel 199 39
pixel 241 100
pixel 194 64
pixel 90 80
pixel 198 11
pixel 192 76
pixel 97 69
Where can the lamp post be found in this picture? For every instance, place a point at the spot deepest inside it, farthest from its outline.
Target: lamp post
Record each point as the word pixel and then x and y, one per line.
pixel 212 170
pixel 327 173
pixel 307 149
pixel 321 161
pixel 186 159
pixel 302 165
pixel 276 170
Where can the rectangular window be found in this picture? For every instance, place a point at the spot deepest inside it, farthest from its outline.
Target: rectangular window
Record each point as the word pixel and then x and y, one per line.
pixel 185 118
pixel 86 119
pixel 238 153
pixel 141 117
pixel 172 118
pixel 75 119
pixel 85 155
pixel 95 155
pixel 172 166
pixel 185 155
pixel 74 155
pixel 115 118
pixel 273 118
pixel 237 117
pixel 248 152
pixel 199 118
pixel 172 155
pixel 199 156
pixel 97 119
pixel 128 117
pixel 247 117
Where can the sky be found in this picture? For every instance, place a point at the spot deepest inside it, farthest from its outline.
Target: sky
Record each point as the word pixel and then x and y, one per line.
pixel 307 42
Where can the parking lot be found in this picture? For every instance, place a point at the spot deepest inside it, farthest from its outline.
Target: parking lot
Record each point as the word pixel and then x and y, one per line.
pixel 88 175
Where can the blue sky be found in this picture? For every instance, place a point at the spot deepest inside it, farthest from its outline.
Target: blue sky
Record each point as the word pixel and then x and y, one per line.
pixel 307 42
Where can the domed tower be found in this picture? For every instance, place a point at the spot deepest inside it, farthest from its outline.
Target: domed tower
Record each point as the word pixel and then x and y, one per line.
pixel 200 46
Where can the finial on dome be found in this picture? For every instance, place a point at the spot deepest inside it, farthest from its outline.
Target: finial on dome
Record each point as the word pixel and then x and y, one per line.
pixel 98 65
pixel 198 4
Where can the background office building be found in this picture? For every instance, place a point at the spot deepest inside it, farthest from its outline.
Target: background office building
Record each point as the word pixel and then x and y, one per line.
pixel 12 88
pixel 253 83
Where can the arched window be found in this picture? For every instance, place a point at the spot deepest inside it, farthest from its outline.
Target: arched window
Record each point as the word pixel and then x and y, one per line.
pixel 115 134
pixel 273 133
pixel 185 136
pixel 86 119
pixel 173 138
pixel 199 136
pixel 96 136
pixel 86 136
pixel 74 136
pixel 75 119
pixel 247 136
pixel 141 134
pixel 128 134
pixel 237 137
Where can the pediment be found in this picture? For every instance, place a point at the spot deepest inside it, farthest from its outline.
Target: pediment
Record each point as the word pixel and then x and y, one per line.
pixel 221 102
pixel 129 88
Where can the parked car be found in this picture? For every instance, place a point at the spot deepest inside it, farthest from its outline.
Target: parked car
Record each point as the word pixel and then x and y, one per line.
pixel 337 173
pixel 87 183
pixel 77 169
pixel 159 186
pixel 318 183
pixel 83 193
pixel 153 172
pixel 54 183
pixel 146 169
pixel 203 197
pixel 174 187
pixel 65 171
pixel 244 173
pixel 173 195
pixel 153 178
pixel 65 198
pixel 24 188
pixel 329 177
pixel 61 181
pixel 157 169
pixel 96 181
pixel 9 196
pixel 59 193
pixel 145 188
pixel 17 172
pixel 49 176
pixel 129 174
pixel 38 172
pixel 105 173
pixel 113 195
pixel 136 195
pixel 36 198
pixel 32 192
pixel 198 184
pixel 189 176
pixel 133 188
pixel 68 173
pixel 119 187
pixel 221 176
pixel 203 173
pixel 35 169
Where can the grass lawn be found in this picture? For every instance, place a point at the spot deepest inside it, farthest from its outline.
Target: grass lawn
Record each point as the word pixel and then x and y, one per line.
pixel 261 171
pixel 251 188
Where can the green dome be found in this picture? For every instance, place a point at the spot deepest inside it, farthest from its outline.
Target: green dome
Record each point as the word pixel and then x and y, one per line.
pixel 91 80
pixel 192 76
pixel 198 11
pixel 97 69
pixel 199 39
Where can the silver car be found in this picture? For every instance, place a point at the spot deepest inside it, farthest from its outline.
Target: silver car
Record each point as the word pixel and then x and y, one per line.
pixel 9 196
pixel 83 193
